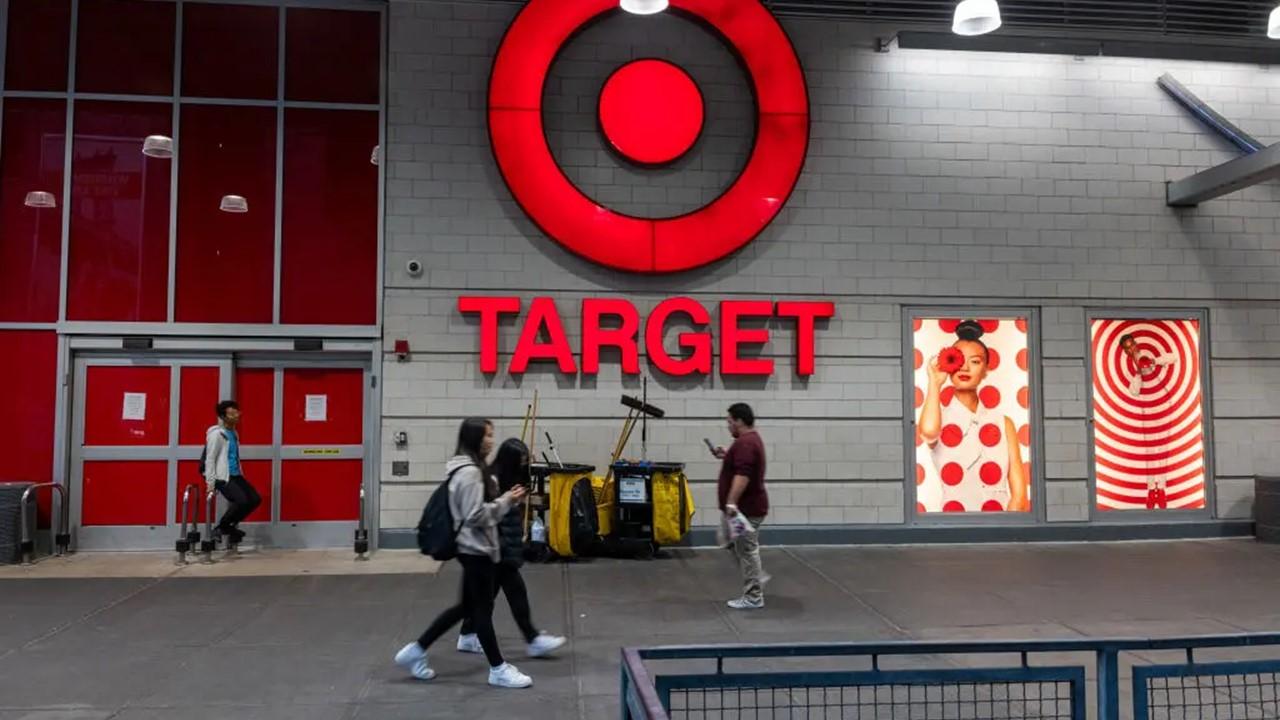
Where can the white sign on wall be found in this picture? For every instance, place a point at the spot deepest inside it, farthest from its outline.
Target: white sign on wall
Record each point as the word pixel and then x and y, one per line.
pixel 317 408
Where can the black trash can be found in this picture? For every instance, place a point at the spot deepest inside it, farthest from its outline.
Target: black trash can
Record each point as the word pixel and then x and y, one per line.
pixel 1266 509
pixel 11 521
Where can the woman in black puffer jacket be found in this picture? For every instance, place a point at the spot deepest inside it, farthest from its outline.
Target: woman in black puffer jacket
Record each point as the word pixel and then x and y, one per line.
pixel 510 468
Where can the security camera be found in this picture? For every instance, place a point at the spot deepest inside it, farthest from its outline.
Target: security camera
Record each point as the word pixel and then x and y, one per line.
pixel 414 268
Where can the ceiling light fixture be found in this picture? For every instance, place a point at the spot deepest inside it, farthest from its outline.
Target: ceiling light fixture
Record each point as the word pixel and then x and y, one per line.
pixel 1273 24
pixel 643 7
pixel 233 204
pixel 40 199
pixel 976 17
pixel 158 146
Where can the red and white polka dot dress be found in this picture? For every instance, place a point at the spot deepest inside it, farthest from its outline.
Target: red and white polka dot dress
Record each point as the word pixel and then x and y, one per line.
pixel 972 459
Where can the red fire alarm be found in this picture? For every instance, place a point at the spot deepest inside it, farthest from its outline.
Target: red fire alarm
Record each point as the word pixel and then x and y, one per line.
pixel 402 350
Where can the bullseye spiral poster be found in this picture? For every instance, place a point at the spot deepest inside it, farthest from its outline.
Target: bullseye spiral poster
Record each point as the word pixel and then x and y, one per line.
pixel 972 410
pixel 1148 411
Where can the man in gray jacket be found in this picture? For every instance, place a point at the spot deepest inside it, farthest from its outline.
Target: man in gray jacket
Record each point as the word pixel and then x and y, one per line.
pixel 222 471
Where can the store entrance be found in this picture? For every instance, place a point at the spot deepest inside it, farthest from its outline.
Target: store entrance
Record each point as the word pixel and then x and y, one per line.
pixel 138 428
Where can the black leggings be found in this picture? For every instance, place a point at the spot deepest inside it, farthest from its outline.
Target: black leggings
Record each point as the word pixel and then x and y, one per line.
pixel 242 500
pixel 512 585
pixel 479 583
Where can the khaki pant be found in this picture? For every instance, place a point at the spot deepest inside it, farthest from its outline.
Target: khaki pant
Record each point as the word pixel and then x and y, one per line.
pixel 747 549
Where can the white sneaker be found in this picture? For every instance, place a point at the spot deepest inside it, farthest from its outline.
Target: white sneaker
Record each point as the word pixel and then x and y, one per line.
pixel 469 644
pixel 507 676
pixel 545 644
pixel 412 656
pixel 745 604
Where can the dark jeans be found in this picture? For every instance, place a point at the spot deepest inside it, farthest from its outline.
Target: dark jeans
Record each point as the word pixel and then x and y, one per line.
pixel 479 583
pixel 512 584
pixel 242 500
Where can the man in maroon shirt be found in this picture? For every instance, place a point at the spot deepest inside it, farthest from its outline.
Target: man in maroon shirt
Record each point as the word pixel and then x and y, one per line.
pixel 742 493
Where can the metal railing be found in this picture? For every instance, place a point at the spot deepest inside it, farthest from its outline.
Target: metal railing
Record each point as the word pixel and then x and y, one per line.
pixel 1192 688
pixel 209 543
pixel 189 533
pixel 59 524
pixel 362 533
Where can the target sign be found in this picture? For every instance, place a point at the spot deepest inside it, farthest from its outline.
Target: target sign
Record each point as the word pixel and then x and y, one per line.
pixel 651 112
pixel 1148 414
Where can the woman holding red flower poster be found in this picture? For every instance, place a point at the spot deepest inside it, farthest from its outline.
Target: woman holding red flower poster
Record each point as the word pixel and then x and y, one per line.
pixel 974 446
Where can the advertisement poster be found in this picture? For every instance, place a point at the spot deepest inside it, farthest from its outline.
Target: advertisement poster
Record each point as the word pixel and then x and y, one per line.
pixel 1148 412
pixel 972 411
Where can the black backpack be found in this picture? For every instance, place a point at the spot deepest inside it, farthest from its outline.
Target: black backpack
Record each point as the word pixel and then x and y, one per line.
pixel 437 535
pixel 584 522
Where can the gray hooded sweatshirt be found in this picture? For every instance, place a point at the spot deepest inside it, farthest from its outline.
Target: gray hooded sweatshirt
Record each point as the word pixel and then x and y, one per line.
pixel 476 519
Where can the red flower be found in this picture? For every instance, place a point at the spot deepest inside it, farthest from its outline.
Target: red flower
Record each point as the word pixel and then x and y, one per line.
pixel 950 360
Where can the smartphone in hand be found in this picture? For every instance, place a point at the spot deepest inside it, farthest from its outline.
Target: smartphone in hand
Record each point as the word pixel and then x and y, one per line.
pixel 710 447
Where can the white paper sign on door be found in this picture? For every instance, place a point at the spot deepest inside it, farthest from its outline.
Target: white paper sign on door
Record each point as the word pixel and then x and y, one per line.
pixel 317 408
pixel 135 406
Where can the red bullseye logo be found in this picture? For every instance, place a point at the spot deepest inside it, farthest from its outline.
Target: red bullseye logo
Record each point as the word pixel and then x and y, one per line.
pixel 651 113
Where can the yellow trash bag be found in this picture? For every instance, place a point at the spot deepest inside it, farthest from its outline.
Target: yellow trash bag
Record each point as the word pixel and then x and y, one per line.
pixel 572 525
pixel 604 504
pixel 672 507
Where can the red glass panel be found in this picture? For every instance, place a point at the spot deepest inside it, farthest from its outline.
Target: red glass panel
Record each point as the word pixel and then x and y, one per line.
pixel 317 490
pixel 226 260
pixel 332 55
pixel 124 492
pixel 28 366
pixel 342 422
pixel 31 237
pixel 255 393
pixel 38 45
pixel 196 403
pixel 330 218
pixel 257 472
pixel 125 46
pixel 119 265
pixel 107 402
pixel 230 51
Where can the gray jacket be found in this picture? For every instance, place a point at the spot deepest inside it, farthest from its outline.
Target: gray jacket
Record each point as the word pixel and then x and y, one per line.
pixel 476 519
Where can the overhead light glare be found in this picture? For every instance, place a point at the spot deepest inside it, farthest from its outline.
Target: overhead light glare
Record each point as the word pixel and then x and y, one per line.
pixel 643 7
pixel 976 17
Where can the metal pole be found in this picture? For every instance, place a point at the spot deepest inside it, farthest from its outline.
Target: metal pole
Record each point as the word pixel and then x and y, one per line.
pixel 1108 684
pixel 362 535
pixel 210 508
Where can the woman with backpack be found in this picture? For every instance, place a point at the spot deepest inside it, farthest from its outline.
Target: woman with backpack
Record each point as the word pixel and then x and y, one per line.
pixel 476 514
pixel 511 470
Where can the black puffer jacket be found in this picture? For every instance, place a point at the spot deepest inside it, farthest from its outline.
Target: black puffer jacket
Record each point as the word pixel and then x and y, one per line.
pixel 511 536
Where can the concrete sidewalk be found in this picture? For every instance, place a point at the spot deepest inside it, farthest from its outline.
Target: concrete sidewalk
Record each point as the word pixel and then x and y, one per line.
pixel 319 646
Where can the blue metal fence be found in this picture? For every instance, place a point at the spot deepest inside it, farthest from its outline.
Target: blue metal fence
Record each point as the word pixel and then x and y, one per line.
pixel 1186 690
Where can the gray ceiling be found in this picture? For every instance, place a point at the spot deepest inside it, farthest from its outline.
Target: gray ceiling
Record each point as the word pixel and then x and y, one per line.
pixel 1244 20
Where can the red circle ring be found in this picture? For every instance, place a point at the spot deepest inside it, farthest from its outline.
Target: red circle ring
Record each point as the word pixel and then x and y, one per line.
pixel 621 241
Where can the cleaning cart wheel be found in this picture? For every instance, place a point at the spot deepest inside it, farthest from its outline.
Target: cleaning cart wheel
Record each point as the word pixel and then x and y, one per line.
pixel 646 551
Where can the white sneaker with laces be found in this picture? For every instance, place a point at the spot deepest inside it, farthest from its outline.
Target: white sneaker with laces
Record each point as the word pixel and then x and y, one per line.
pixel 507 676
pixel 412 656
pixel 469 644
pixel 745 604
pixel 545 644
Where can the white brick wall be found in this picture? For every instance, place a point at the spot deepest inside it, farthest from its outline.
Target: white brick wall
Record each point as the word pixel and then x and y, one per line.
pixel 932 178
